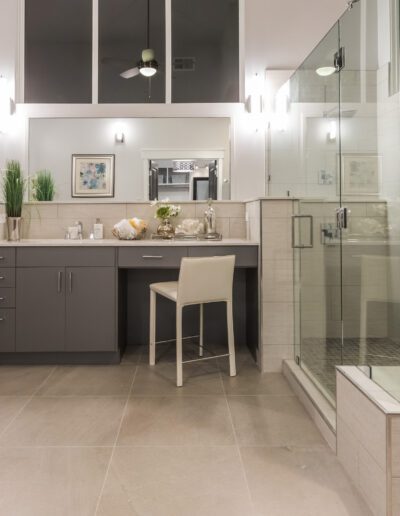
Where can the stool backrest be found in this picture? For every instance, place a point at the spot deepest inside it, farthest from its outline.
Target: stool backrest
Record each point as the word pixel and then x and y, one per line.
pixel 206 280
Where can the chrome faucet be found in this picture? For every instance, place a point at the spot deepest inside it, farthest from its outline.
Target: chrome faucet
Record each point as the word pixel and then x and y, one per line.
pixel 79 225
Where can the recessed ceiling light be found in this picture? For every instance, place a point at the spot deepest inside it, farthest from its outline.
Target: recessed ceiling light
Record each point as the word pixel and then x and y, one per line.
pixel 325 71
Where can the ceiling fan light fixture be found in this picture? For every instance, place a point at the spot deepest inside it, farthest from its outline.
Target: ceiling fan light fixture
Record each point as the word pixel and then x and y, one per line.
pixel 148 68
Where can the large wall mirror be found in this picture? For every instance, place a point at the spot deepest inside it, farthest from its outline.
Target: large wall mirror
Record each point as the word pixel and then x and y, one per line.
pixel 133 159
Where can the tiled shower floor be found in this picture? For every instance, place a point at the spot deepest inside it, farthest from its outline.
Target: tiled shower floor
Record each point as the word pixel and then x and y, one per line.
pixel 320 357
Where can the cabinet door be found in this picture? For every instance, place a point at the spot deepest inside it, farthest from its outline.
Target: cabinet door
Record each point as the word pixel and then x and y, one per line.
pixel 7 330
pixel 91 309
pixel 40 309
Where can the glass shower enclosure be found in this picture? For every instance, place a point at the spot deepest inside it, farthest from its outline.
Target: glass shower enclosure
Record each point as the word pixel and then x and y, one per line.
pixel 339 155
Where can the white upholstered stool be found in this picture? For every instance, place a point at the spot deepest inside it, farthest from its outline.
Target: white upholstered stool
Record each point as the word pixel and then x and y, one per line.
pixel 201 280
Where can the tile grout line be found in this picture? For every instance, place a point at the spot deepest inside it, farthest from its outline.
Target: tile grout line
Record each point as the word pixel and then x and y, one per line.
pixel 30 398
pixel 237 446
pixel 115 442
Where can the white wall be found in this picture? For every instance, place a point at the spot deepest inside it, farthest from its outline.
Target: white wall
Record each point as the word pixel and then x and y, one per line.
pixel 53 141
pixel 278 34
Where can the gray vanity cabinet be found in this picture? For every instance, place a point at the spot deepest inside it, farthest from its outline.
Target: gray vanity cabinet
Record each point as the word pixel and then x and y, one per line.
pixel 66 301
pixel 90 309
pixel 40 309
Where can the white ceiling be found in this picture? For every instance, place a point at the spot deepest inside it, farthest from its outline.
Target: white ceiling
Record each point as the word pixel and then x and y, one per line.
pixel 281 33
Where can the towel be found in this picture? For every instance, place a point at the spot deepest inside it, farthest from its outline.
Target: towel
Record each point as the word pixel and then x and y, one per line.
pixel 124 230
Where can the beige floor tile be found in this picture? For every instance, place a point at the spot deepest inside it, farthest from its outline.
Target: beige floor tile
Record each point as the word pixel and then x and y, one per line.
pixel 66 422
pixel 272 421
pixel 9 408
pixel 202 420
pixel 108 380
pixel 160 380
pixel 22 380
pixel 51 481
pixel 300 482
pixel 166 481
pixel 132 355
pixel 250 381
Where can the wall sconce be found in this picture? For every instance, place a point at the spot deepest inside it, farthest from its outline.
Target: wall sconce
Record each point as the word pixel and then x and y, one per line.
pixel 5 104
pixel 254 104
pixel 119 137
pixel 332 130
pixel 281 118
pixel 254 101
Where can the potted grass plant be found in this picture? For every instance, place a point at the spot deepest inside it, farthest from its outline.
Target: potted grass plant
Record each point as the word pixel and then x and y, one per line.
pixel 13 192
pixel 43 188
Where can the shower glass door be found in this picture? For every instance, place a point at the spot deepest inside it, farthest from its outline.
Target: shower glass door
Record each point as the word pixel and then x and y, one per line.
pixel 371 189
pixel 315 118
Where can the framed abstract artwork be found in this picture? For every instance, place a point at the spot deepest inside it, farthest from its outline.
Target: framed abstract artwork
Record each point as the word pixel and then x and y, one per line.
pixel 361 174
pixel 93 175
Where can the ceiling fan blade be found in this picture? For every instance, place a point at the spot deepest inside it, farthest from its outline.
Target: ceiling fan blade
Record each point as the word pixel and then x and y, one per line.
pixel 132 72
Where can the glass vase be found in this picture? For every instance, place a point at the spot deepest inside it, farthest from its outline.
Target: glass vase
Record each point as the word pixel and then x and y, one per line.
pixel 165 229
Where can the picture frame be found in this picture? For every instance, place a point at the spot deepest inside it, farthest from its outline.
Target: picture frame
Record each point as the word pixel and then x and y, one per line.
pixel 93 175
pixel 361 174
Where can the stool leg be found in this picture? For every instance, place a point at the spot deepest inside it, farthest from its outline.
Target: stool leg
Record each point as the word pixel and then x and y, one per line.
pixel 152 350
pixel 201 350
pixel 179 376
pixel 231 340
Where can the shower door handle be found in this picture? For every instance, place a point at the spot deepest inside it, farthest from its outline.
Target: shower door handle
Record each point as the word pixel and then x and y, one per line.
pixel 297 242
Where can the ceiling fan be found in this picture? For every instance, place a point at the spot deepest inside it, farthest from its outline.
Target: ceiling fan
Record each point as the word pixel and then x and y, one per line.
pixel 148 65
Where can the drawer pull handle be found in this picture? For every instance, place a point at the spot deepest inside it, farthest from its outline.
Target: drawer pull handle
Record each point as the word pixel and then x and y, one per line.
pixel 2 298
pixel 2 258
pixel 151 256
pixel 2 319
pixel 2 278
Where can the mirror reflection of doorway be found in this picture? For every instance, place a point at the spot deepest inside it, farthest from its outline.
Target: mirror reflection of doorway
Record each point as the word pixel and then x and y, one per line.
pixel 183 179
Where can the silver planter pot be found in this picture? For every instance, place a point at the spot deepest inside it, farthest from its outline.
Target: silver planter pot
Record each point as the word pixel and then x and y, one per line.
pixel 14 225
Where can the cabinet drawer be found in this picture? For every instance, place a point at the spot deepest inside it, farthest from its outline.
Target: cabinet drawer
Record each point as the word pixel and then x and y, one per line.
pixel 7 277
pixel 65 257
pixel 7 298
pixel 7 330
pixel 246 256
pixel 151 257
pixel 7 256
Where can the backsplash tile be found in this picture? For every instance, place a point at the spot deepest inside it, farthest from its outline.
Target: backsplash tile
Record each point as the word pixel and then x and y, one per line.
pixel 51 220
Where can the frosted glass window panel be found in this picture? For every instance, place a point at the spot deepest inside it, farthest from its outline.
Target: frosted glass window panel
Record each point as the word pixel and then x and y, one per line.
pixel 58 51
pixel 205 51
pixel 122 37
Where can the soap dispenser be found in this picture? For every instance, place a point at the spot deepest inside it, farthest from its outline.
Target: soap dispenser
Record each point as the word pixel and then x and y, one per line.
pixel 210 219
pixel 98 230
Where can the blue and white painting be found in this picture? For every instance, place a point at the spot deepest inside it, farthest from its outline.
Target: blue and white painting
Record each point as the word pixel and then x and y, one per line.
pixel 93 176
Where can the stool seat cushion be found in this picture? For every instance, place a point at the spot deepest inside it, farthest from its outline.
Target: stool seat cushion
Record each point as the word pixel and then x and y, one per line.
pixel 168 289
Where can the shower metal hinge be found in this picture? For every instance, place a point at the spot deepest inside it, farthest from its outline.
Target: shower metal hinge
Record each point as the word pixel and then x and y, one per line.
pixel 297 360
pixel 350 4
pixel 339 59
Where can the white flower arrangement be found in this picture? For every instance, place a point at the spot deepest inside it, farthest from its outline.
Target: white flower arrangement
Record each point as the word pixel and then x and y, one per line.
pixel 165 210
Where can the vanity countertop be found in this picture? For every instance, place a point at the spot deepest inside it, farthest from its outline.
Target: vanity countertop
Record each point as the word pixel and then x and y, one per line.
pixel 113 242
